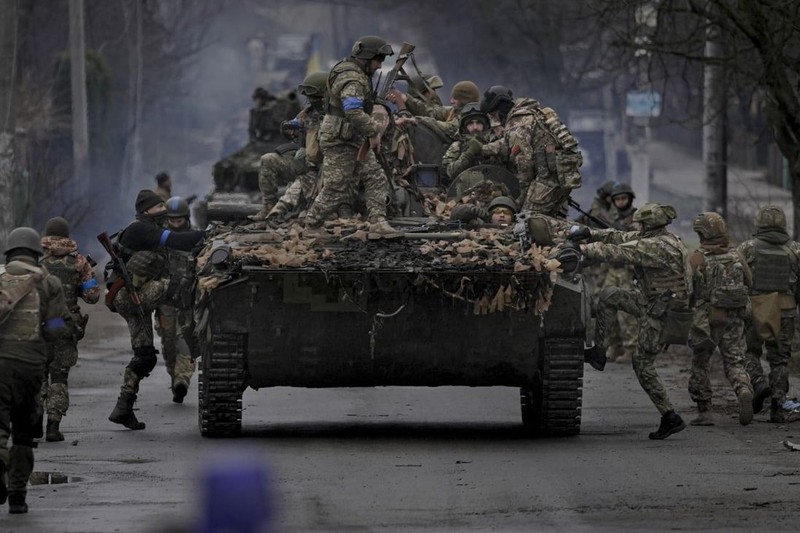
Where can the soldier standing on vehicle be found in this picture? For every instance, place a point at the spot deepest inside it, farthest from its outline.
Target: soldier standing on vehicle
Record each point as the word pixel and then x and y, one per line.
pixel 443 120
pixel 143 245
pixel 61 259
pixel 34 314
pixel 421 99
pixel 622 338
pixel 720 279
pixel 466 152
pixel 163 185
pixel 175 318
pixel 298 161
pixel 345 127
pixel 774 259
pixel 660 300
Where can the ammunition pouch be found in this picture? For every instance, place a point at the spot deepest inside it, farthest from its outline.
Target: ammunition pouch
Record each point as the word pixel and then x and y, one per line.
pixel 729 298
pixel 677 324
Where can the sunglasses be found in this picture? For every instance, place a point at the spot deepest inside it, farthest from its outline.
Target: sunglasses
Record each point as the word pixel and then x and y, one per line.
pixel 502 211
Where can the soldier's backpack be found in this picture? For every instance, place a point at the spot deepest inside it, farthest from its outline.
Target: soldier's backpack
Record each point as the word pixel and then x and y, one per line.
pixel 725 278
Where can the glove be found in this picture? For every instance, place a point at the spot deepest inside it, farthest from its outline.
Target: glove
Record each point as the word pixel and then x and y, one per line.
pixel 579 234
pixel 569 256
pixel 473 147
pixel 290 128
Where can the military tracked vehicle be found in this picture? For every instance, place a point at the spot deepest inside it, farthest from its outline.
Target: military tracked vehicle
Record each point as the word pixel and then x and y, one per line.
pixel 434 305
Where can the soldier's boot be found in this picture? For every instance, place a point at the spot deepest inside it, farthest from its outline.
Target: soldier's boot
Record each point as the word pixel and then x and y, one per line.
pixel 381 228
pixel 3 486
pixel 596 357
pixel 53 433
pixel 776 412
pixel 179 390
pixel 123 412
pixel 16 503
pixel 761 393
pixel 263 213
pixel 703 417
pixel 671 423
pixel 745 397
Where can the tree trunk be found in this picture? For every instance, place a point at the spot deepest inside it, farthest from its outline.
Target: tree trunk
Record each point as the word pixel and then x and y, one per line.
pixel 8 58
pixel 80 123
pixel 714 112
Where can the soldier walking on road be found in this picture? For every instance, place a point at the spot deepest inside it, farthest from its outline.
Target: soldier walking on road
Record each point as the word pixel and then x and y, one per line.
pixel 774 259
pixel 658 301
pixel 61 258
pixel 720 280
pixel 347 124
pixel 34 314
pixel 143 245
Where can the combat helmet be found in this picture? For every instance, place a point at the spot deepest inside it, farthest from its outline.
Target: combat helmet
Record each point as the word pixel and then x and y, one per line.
pixel 503 201
pixel 370 46
pixel 177 207
pixel 315 85
pixel 620 189
pixel 472 111
pixel 27 238
pixel 56 227
pixel 770 216
pixel 710 225
pixel 497 98
pixel 652 216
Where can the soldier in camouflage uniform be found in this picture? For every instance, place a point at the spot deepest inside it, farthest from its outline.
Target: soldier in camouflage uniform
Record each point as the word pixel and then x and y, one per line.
pixel 175 318
pixel 421 99
pixel 720 280
pixel 622 338
pixel 442 120
pixel 474 133
pixel 143 245
pixel 601 206
pixel 659 258
pixel 39 317
pixel 774 259
pixel 347 124
pixel 61 258
pixel 291 163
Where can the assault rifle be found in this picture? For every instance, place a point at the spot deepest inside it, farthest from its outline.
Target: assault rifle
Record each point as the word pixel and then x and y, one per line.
pixel 577 206
pixel 124 279
pixel 405 52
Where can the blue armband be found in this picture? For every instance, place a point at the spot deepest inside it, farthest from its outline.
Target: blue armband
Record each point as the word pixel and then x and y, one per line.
pixel 91 284
pixel 55 323
pixel 164 237
pixel 351 103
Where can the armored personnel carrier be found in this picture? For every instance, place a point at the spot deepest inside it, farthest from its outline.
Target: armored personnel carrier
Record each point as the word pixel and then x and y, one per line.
pixel 434 305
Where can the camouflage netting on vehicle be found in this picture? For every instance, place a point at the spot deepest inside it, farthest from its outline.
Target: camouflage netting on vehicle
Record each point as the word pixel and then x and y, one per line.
pixel 484 268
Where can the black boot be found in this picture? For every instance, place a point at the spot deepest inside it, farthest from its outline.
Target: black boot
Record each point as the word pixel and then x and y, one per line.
pixel 179 390
pixel 53 434
pixel 671 423
pixel 123 412
pixel 3 489
pixel 596 357
pixel 760 394
pixel 16 503
pixel 776 412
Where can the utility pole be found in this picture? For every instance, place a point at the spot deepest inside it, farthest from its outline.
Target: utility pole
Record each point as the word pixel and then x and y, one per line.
pixel 8 58
pixel 80 123
pixel 714 126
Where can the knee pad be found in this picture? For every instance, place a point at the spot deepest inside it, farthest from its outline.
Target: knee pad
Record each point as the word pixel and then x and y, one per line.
pixel 144 360
pixel 58 376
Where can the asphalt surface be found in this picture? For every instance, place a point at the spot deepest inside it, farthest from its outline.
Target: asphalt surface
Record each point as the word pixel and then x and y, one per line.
pixel 386 459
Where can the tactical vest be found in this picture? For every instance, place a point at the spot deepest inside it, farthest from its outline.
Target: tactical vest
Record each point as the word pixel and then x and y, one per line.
pixel 334 104
pixel 772 268
pixel 24 322
pixel 655 281
pixel 64 269
pixel 724 277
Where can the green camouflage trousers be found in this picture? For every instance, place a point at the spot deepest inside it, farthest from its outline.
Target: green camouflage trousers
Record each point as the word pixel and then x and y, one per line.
pixel 274 169
pixel 778 356
pixel 622 334
pixel 729 338
pixel 302 188
pixel 20 385
pixel 649 330
pixel 175 349
pixel 62 356
pixel 341 175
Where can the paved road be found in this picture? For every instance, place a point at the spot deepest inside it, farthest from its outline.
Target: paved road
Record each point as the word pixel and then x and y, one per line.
pixel 445 459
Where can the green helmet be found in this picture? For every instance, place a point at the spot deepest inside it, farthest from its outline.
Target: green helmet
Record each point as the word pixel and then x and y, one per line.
pixel 709 225
pixel 315 85
pixel 771 216
pixel 27 238
pixel 369 46
pixel 652 216
pixel 57 227
pixel 177 207
pixel 503 201
pixel 469 112
pixel 620 189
